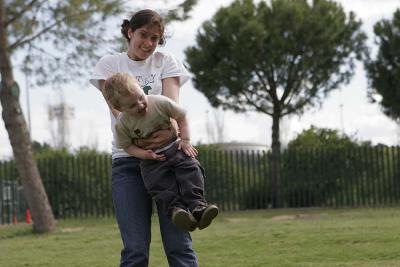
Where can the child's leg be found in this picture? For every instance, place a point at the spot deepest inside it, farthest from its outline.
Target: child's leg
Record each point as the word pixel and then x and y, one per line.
pixel 190 176
pixel 160 182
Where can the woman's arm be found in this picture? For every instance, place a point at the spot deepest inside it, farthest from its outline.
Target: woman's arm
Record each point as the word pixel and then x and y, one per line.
pixel 171 88
pixel 184 143
pixel 163 137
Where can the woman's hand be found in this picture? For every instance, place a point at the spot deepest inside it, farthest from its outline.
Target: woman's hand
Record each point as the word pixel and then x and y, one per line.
pixel 186 147
pixel 158 139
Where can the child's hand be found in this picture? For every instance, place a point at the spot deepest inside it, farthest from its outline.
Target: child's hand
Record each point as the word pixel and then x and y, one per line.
pixel 149 154
pixel 187 148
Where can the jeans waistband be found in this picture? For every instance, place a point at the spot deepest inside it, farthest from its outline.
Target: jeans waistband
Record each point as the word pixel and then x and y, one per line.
pixel 123 160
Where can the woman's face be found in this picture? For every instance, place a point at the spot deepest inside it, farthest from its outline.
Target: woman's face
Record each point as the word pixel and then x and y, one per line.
pixel 143 42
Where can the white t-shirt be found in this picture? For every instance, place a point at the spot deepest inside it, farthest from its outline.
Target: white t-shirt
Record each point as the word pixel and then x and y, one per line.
pixel 149 73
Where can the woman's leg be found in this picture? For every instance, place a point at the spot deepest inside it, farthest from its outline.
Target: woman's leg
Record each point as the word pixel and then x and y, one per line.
pixel 177 243
pixel 132 206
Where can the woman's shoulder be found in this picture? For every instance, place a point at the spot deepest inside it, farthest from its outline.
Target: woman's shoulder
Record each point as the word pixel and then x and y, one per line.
pixel 163 57
pixel 110 58
pixel 171 67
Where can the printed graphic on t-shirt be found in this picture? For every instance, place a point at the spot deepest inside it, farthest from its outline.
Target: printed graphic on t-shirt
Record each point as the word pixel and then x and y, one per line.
pixel 138 132
pixel 146 82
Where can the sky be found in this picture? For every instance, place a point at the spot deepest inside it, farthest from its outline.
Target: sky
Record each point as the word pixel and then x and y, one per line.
pixel 346 109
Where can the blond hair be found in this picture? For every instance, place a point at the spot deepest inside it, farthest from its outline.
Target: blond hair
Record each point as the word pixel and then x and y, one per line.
pixel 118 86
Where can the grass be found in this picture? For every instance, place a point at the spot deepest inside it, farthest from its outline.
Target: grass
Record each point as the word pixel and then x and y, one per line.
pixel 309 238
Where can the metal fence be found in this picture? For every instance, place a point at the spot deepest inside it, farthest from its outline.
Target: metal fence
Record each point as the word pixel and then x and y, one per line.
pixel 235 180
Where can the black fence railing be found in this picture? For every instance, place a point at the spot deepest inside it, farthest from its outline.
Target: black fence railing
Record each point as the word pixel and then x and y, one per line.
pixel 79 186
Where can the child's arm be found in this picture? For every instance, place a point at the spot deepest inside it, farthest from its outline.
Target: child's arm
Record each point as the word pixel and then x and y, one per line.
pixel 124 141
pixel 184 143
pixel 142 153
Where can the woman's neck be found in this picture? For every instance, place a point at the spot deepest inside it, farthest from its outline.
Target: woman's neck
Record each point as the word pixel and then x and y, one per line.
pixel 131 56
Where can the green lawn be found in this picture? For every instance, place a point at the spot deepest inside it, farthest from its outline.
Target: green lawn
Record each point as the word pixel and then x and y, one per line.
pixel 313 237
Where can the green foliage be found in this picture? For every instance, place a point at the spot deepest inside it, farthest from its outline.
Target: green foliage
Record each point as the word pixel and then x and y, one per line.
pixel 181 12
pixel 46 151
pixel 77 184
pixel 320 168
pixel 60 41
pixel 314 167
pixel 275 57
pixel 39 148
pixel 232 176
pixel 324 168
pixel 322 138
pixel 384 71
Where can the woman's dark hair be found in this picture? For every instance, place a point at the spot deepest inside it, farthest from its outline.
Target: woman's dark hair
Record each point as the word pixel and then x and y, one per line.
pixel 142 18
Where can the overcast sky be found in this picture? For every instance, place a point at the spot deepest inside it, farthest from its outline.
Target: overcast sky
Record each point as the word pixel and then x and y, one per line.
pixel 346 109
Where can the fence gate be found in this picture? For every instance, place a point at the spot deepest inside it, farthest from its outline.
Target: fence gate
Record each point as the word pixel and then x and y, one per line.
pixel 12 202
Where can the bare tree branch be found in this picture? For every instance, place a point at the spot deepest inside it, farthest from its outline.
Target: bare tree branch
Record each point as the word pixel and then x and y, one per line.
pixel 23 41
pixel 22 11
pixel 289 84
pixel 252 103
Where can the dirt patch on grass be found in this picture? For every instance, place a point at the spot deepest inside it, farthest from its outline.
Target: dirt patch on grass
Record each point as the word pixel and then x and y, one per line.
pixel 299 217
pixel 71 230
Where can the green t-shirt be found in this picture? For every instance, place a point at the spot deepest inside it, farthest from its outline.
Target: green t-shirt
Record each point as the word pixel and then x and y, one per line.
pixel 157 117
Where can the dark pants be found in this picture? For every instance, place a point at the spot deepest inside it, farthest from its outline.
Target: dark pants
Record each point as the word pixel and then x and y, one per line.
pixel 133 209
pixel 176 182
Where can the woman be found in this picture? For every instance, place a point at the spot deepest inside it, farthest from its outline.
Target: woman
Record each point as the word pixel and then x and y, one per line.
pixel 157 73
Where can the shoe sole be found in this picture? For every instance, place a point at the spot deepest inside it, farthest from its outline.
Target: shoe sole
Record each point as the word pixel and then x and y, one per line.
pixel 208 216
pixel 184 221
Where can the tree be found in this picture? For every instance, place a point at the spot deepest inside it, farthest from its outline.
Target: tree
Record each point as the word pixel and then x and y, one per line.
pixel 58 42
pixel 321 163
pixel 384 71
pixel 278 57
pixel 35 26
pixel 322 138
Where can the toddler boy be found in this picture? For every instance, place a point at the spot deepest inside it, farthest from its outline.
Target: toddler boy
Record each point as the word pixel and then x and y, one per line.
pixel 171 174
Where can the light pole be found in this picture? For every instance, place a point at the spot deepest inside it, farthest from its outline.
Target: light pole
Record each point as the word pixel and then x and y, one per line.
pixel 341 118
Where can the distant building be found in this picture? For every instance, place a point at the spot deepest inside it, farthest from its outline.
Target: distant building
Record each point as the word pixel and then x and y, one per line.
pixel 243 146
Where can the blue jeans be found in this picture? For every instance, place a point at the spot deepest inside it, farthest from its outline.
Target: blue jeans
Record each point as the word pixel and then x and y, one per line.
pixel 133 209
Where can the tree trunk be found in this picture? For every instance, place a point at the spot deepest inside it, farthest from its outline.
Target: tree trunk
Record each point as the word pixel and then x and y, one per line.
pixel 276 160
pixel 35 194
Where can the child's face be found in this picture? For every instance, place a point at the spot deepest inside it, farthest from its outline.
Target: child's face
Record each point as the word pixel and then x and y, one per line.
pixel 135 103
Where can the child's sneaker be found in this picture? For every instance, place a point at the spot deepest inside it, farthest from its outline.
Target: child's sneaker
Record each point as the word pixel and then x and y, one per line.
pixel 183 220
pixel 205 215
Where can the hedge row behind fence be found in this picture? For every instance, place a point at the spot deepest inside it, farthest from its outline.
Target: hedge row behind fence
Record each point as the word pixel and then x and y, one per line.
pixel 79 186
